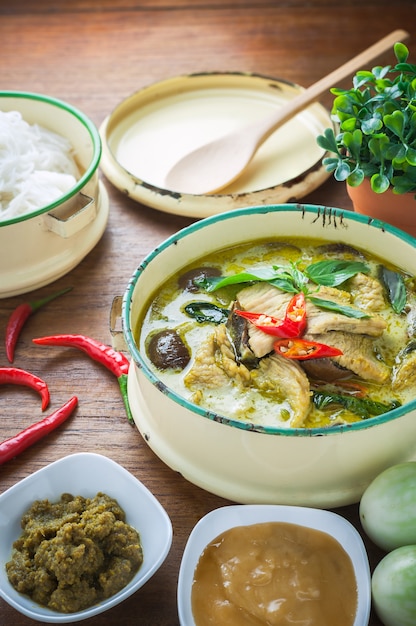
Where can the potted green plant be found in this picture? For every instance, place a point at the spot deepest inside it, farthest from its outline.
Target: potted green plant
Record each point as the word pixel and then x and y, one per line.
pixel 374 146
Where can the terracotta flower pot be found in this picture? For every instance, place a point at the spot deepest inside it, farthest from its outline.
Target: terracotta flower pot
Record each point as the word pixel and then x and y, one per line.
pixel 396 209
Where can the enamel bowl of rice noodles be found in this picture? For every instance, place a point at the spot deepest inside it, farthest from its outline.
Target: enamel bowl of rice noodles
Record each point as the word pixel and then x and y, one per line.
pixel 274 353
pixel 52 205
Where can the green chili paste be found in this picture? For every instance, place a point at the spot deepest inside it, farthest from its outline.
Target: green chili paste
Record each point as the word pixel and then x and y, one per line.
pixel 74 553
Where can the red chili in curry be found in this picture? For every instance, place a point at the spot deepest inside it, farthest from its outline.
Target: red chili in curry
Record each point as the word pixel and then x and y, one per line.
pixel 293 324
pixel 302 350
pixel 291 345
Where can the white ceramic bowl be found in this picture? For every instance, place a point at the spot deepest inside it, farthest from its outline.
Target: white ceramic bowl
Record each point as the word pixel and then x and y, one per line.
pixel 84 474
pixel 55 238
pixel 223 519
pixel 308 467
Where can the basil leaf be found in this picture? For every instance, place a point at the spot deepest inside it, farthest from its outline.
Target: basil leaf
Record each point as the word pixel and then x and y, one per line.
pixel 395 288
pixel 204 311
pixel 348 311
pixel 362 407
pixel 332 273
pixel 212 283
pixel 299 278
pixel 285 283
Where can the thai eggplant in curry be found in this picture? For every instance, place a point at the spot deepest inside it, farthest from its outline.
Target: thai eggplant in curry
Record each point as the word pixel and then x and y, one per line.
pixel 287 334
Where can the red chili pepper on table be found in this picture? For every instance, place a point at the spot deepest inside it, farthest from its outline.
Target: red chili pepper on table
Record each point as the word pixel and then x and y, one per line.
pixel 302 350
pixel 18 318
pixel 292 325
pixel 18 443
pixel 114 361
pixel 16 376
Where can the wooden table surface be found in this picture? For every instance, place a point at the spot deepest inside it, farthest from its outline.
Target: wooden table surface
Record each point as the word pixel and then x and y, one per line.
pixel 92 55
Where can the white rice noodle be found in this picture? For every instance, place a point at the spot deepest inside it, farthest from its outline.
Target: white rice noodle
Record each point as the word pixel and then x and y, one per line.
pixel 37 166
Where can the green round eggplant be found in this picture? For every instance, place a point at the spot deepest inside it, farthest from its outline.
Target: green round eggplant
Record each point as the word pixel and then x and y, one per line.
pixel 394 587
pixel 388 507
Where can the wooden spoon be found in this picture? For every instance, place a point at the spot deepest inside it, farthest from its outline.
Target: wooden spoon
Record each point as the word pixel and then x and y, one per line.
pixel 214 165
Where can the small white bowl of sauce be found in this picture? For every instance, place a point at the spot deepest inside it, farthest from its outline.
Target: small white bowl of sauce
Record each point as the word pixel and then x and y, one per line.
pixel 248 564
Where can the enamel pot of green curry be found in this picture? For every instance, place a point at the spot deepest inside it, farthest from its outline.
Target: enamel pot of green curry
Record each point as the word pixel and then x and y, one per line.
pixel 274 353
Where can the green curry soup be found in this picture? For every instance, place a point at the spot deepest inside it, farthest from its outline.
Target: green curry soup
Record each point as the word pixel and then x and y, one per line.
pixel 329 339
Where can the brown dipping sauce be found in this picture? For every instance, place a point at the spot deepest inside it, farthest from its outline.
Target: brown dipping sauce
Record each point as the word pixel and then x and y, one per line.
pixel 274 573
